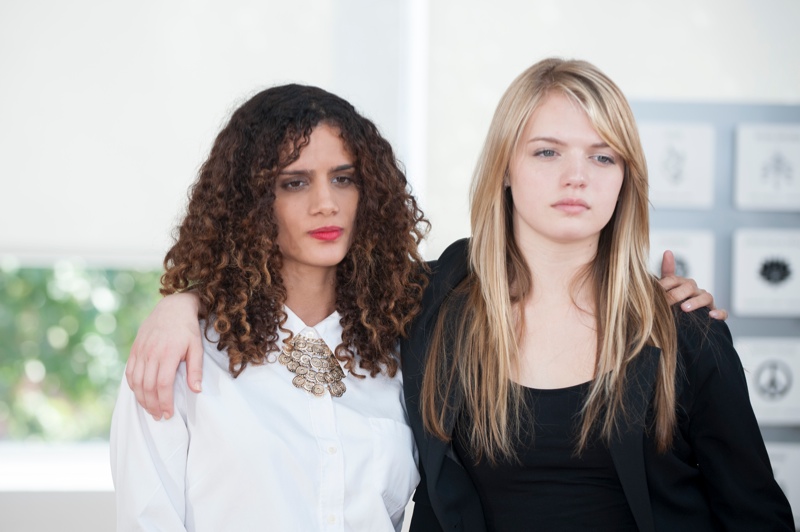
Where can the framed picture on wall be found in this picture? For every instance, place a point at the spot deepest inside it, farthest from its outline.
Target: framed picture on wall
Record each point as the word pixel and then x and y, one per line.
pixel 680 163
pixel 693 251
pixel 766 272
pixel 768 167
pixel 785 460
pixel 772 369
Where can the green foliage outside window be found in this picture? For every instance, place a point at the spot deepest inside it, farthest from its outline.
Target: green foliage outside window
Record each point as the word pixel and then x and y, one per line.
pixel 65 334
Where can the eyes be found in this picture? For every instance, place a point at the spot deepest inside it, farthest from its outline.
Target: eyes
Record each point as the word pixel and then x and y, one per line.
pixel 292 183
pixel 344 180
pixel 545 153
pixel 605 159
pixel 601 158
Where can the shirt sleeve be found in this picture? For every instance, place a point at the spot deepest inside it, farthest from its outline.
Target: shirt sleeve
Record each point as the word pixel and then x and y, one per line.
pixel 148 463
pixel 725 435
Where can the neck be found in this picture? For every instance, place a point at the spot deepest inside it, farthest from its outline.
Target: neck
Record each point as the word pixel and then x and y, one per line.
pixel 310 293
pixel 558 333
pixel 554 267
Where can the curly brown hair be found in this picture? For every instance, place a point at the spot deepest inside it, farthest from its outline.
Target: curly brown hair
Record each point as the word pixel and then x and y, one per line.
pixel 226 247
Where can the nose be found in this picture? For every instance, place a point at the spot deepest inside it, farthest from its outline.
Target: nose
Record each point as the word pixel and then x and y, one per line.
pixel 575 173
pixel 324 199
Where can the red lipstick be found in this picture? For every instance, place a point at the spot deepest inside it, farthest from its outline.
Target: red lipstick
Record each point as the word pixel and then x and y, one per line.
pixel 327 233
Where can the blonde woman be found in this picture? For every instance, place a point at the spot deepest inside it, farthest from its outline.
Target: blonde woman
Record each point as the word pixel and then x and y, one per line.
pixel 551 383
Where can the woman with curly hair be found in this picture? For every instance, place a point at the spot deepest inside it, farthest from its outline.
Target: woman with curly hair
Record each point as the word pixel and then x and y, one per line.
pixel 300 242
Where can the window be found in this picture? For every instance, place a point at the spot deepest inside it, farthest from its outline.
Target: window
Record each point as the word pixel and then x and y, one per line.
pixel 66 332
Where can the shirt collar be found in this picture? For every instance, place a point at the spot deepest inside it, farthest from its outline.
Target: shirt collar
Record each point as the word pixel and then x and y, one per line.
pixel 329 329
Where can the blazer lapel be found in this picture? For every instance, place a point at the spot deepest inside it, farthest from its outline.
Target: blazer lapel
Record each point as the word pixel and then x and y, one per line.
pixel 627 450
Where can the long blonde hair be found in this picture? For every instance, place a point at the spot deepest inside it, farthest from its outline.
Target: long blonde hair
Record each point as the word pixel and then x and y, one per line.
pixel 476 354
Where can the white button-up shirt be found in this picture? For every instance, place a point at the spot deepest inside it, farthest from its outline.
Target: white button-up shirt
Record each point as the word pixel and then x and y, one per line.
pixel 256 453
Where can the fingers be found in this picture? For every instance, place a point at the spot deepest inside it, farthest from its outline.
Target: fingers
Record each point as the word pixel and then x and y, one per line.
pixel 161 395
pixel 194 364
pixel 150 390
pixel 667 264
pixel 681 289
pixel 153 377
pixel 131 364
pixel 136 369
pixel 719 314
pixel 686 292
pixel 696 300
pixel 704 299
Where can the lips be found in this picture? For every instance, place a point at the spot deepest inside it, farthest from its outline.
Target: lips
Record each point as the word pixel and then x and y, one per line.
pixel 571 205
pixel 326 233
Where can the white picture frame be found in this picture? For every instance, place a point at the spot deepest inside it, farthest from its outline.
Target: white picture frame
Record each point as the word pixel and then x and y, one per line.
pixel 772 370
pixel 680 164
pixel 768 167
pixel 766 272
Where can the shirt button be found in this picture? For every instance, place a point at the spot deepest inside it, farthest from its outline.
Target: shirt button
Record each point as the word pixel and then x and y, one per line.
pixel 331 519
pixel 331 450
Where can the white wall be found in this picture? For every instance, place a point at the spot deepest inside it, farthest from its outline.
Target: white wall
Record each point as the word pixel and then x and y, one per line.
pixel 107 109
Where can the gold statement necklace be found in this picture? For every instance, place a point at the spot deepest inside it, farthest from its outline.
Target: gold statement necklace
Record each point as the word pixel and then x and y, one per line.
pixel 316 368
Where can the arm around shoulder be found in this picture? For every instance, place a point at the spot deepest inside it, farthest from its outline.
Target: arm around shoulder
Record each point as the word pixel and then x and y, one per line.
pixel 169 335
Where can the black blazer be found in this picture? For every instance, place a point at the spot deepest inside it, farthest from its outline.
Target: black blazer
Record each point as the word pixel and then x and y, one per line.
pixel 716 476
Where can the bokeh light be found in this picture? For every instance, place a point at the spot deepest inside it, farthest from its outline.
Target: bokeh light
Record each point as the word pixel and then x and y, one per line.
pixel 67 332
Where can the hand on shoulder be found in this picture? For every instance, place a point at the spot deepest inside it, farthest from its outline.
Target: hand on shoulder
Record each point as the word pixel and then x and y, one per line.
pixel 169 335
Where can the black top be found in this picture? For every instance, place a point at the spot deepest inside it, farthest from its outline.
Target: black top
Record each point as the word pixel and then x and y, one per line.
pixel 549 488
pixel 715 476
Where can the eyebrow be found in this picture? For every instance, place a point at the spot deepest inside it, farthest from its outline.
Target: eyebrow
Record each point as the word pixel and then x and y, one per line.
pixel 340 168
pixel 554 140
